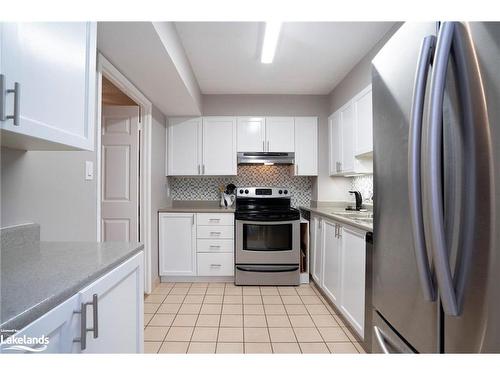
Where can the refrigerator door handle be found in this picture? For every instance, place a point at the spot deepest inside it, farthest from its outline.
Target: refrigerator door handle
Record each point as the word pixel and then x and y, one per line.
pixel 414 167
pixel 432 158
pixel 384 342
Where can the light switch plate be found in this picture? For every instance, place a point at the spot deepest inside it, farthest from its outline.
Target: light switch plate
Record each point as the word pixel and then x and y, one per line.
pixel 89 170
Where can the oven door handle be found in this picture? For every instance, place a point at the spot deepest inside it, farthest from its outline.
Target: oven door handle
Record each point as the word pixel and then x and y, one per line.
pixel 267 268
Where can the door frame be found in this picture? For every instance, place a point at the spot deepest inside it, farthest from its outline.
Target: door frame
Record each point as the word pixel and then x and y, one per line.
pixel 105 68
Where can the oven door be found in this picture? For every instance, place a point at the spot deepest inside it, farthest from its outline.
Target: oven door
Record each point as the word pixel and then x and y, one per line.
pixel 267 242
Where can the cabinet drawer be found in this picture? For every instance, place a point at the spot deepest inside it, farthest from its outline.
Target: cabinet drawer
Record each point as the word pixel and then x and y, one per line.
pixel 221 264
pixel 215 231
pixel 215 219
pixel 215 246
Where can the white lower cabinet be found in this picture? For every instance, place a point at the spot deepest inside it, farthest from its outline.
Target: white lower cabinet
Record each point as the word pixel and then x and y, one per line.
pixel 196 244
pixel 316 249
pixel 120 310
pixel 331 261
pixel 353 262
pixel 118 306
pixel 177 244
pixel 338 267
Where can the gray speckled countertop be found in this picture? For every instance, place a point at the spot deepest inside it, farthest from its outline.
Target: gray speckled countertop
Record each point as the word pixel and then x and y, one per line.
pixel 37 276
pixel 328 211
pixel 196 206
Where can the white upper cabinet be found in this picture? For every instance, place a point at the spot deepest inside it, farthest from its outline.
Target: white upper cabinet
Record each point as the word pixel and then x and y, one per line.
pixel 53 66
pixel 335 143
pixel 306 146
pixel 201 146
pixel 280 134
pixel 251 134
pixel 364 123
pixel 184 146
pixel 347 118
pixel 350 137
pixel 219 146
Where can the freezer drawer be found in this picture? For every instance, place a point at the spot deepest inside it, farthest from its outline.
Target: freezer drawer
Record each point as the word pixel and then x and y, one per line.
pixel 385 339
pixel 255 274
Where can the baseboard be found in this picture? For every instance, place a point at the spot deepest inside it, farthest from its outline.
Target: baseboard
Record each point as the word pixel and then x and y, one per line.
pixel 197 279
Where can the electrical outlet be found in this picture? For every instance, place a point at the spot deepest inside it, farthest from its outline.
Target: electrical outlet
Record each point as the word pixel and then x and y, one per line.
pixel 89 170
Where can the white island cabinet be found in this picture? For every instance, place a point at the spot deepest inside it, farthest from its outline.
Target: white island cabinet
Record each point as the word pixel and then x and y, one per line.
pixel 115 300
pixel 48 84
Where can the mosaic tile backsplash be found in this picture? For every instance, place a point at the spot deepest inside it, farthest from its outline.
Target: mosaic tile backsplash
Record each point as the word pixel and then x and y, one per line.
pixel 207 188
pixel 364 184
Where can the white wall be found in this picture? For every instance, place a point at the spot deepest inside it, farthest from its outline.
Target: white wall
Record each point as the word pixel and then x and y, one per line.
pixel 159 196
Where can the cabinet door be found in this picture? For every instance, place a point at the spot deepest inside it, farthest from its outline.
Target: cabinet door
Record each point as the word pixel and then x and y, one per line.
pixel 120 309
pixel 331 259
pixel 353 277
pixel 335 143
pixel 251 134
pixel 317 262
pixel 280 134
pixel 177 245
pixel 306 146
pixel 348 123
pixel 219 146
pixel 60 325
pixel 54 64
pixel 364 122
pixel 184 147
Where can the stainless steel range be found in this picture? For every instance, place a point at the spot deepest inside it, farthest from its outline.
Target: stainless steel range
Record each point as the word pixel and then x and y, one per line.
pixel 267 237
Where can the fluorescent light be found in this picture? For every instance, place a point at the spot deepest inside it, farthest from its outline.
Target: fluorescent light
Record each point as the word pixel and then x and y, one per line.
pixel 268 163
pixel 270 42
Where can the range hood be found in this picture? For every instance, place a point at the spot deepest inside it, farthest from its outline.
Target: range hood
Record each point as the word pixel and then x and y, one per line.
pixel 266 157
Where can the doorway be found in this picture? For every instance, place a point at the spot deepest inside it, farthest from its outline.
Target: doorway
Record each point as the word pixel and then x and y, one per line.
pixel 123 147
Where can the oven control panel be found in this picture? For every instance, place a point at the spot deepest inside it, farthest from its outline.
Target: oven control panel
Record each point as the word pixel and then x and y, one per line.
pixel 262 192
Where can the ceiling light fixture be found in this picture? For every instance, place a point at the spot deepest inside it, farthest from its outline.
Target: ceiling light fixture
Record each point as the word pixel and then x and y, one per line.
pixel 271 37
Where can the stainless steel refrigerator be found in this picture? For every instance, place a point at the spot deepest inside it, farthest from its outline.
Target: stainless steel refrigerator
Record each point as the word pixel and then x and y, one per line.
pixel 436 123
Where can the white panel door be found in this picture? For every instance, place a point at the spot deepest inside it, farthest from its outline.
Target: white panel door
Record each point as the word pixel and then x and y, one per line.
pixel 317 250
pixel 120 173
pixel 364 122
pixel 219 146
pixel 332 262
pixel 280 134
pixel 335 143
pixel 251 134
pixel 120 309
pixel 54 63
pixel 306 146
pixel 348 119
pixel 177 244
pixel 353 277
pixel 184 146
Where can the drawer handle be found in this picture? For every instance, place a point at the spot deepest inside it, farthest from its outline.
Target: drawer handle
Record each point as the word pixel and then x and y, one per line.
pixel 215 265
pixel 83 322
pixel 215 246
pixel 214 220
pixel 215 233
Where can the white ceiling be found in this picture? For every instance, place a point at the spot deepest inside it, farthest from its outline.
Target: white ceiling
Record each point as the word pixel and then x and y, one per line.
pixel 311 57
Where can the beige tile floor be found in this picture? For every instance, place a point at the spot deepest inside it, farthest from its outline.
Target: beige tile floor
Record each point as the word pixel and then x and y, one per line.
pixel 224 318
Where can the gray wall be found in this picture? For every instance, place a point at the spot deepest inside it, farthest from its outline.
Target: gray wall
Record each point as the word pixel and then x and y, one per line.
pixel 48 187
pixel 359 77
pixel 159 198
pixel 324 187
